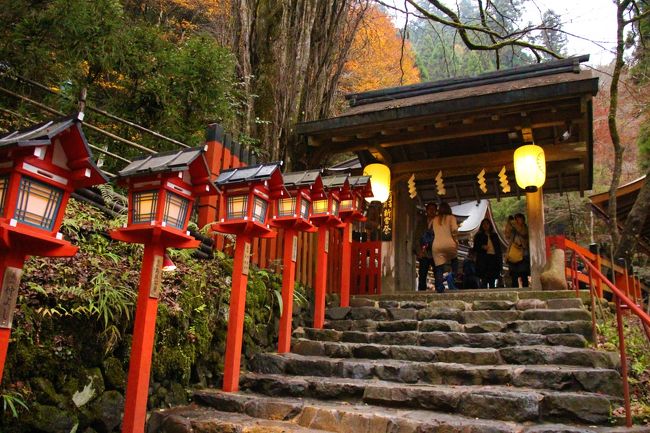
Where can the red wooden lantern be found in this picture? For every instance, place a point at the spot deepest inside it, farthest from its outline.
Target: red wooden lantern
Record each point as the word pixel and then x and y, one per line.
pixel 162 189
pixel 352 209
pixel 292 212
pixel 325 214
pixel 247 194
pixel 41 166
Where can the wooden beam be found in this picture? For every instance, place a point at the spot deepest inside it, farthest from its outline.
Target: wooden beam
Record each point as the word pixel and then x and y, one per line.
pixel 381 154
pixel 429 134
pixel 491 161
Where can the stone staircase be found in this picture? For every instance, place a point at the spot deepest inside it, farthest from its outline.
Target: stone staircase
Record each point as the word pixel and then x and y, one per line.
pixel 501 361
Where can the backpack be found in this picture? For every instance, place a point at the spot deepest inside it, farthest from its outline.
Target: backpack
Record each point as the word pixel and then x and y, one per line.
pixel 426 240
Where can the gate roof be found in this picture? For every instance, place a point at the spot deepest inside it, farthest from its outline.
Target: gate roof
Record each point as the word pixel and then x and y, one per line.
pixel 461 126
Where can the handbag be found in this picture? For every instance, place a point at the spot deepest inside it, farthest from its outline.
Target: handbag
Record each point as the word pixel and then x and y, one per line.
pixel 515 253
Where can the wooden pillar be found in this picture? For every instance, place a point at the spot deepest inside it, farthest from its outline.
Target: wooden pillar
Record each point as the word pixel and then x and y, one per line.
pixel 288 281
pixel 208 205
pixel 144 330
pixel 536 236
pixel 11 265
pixel 234 338
pixel 346 260
pixel 320 283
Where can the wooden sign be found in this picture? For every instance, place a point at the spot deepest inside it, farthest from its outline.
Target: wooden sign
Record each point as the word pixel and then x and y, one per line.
pixel 294 250
pixel 9 295
pixel 327 241
pixel 247 258
pixel 156 277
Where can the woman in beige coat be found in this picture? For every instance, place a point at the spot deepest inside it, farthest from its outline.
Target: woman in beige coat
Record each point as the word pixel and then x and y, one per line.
pixel 445 245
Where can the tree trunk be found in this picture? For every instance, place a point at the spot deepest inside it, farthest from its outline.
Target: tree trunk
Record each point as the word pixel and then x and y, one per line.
pixel 621 7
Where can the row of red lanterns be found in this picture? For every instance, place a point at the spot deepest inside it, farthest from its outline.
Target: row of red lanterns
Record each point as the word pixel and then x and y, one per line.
pixel 40 168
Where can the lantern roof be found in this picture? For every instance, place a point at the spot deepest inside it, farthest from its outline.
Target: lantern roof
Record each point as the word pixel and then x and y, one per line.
pixel 191 160
pixel 296 179
pixel 72 141
pixel 362 183
pixel 336 181
pixel 254 173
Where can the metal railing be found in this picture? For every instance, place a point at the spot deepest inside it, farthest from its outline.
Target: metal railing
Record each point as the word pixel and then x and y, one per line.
pixel 630 297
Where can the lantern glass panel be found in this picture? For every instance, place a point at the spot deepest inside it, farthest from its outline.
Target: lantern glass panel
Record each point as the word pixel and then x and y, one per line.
pixel 237 207
pixel 259 210
pixel 346 205
pixel 145 204
pixel 335 207
pixel 287 207
pixel 304 208
pixel 38 203
pixel 176 208
pixel 320 207
pixel 4 181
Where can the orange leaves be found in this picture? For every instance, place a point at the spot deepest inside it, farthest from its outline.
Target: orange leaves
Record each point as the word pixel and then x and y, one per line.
pixel 375 59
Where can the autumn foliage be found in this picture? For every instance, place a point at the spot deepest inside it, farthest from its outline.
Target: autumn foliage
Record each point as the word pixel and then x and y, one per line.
pixel 377 58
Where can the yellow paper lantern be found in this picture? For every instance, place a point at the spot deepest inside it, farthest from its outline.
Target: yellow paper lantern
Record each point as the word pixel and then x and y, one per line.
pixel 530 167
pixel 380 182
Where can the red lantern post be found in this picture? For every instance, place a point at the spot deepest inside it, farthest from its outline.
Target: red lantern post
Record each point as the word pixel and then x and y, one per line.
pixel 352 209
pixel 162 188
pixel 40 167
pixel 292 212
pixel 247 193
pixel 325 214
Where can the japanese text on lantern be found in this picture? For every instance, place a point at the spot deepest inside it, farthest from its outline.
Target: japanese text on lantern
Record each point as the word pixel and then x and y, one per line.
pixel 8 296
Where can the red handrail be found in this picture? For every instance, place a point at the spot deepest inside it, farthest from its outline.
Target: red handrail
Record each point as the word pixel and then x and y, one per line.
pixel 619 296
pixel 618 292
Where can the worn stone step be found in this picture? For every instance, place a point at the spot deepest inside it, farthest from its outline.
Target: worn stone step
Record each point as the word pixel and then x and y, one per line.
pixel 556 377
pixel 443 338
pixel 479 294
pixel 544 327
pixel 361 418
pixel 487 402
pixel 200 419
pixel 463 355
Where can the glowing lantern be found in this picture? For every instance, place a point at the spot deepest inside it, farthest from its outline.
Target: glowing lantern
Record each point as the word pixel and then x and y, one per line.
pixel 247 196
pixel 293 204
pixel 248 193
pixel 352 204
pixel 162 188
pixel 380 175
pixel 530 167
pixel 39 168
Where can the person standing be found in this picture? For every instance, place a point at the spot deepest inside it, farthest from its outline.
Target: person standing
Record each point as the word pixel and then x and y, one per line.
pixel 424 252
pixel 488 255
pixel 445 245
pixel 518 257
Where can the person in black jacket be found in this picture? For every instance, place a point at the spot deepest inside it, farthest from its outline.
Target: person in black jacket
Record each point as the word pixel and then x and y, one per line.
pixel 488 254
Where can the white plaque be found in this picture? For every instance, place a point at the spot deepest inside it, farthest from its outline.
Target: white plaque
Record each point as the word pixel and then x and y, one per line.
pixel 327 241
pixel 294 250
pixel 9 295
pixel 247 258
pixel 156 277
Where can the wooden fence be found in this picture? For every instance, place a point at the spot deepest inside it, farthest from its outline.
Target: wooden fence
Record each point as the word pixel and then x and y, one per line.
pixel 224 153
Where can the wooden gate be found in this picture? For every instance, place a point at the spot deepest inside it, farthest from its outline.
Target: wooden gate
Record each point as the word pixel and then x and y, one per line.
pixel 366 268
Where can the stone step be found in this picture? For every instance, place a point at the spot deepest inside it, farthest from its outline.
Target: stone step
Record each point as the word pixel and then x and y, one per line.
pixel 556 377
pixel 198 419
pixel 479 294
pixel 464 355
pixel 486 402
pixel 545 327
pixel 361 418
pixel 486 304
pixel 456 314
pixel 443 339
